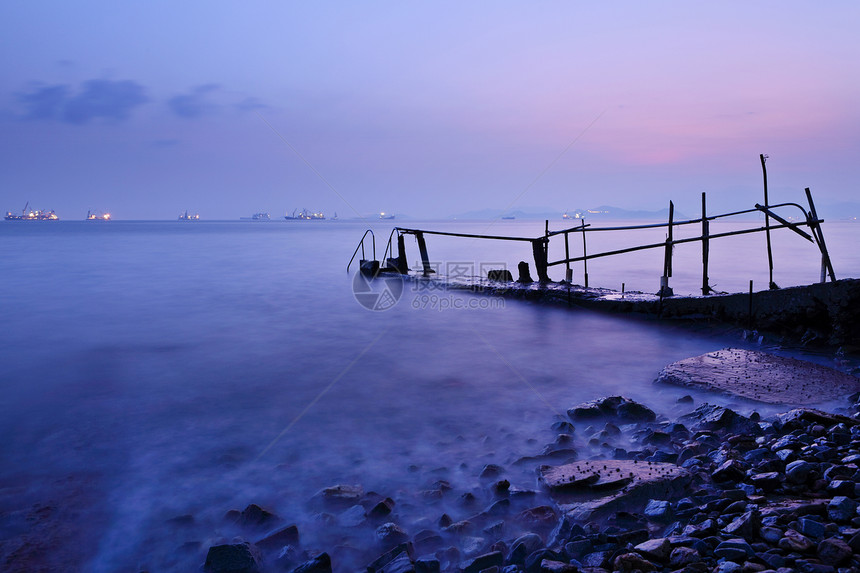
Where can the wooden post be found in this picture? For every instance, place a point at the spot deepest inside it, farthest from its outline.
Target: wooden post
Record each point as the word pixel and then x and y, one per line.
pixel 425 259
pixel 749 312
pixel 771 284
pixel 584 256
pixel 546 243
pixel 539 252
pixel 706 289
pixel 568 272
pixel 402 264
pixel 665 289
pixel 815 227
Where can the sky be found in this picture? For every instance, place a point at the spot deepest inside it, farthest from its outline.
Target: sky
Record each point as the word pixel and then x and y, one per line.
pixel 148 109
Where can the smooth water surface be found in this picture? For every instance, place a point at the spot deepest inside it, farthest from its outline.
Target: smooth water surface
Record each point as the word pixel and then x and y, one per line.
pixel 160 369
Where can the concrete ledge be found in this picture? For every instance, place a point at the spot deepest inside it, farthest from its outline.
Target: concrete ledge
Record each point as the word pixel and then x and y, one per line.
pixel 762 377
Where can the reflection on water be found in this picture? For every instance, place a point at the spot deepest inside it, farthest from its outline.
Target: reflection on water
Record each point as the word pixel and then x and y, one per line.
pixel 154 370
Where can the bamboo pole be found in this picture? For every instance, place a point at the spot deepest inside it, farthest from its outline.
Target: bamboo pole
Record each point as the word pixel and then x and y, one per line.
pixel 665 289
pixel 677 242
pixel 584 255
pixel 815 227
pixel 706 289
pixel 425 259
pixel 568 272
pixel 771 284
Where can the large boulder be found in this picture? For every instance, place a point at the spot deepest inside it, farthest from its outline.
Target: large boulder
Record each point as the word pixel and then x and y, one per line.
pixel 612 408
pixel 233 558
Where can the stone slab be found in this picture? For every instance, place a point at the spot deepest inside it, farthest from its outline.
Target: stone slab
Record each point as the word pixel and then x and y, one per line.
pixel 591 489
pixel 761 376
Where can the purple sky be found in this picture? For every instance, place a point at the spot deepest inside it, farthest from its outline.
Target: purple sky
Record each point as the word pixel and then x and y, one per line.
pixel 147 109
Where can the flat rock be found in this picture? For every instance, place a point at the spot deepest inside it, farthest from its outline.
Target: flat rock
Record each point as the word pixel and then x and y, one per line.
pixel 760 376
pixel 591 488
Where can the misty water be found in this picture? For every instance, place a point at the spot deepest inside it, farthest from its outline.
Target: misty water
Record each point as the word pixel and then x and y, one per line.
pixel 153 370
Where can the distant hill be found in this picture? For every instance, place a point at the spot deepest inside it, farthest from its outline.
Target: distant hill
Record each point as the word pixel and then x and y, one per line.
pixel 603 212
pixel 839 211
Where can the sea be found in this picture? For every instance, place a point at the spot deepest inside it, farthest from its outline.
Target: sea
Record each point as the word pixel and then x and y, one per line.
pixel 158 374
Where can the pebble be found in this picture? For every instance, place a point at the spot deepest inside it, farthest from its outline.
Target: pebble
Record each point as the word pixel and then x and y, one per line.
pixel 775 493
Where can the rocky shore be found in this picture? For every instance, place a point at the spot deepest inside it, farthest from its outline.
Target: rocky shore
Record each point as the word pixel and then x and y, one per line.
pixel 620 488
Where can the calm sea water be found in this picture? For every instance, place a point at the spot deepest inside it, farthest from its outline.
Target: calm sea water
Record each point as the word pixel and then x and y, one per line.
pixel 158 369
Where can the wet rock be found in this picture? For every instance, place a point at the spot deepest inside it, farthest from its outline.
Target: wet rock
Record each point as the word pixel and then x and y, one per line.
pixel 473 546
pixel 736 550
pixel 339 497
pixel 798 471
pixel 612 407
pixel 658 509
pixel 400 564
pixel 534 560
pixel 391 534
pixel 289 556
pixel 794 541
pixel 811 528
pixel 683 556
pixel 541 518
pixel 767 481
pixel 623 484
pixel 233 558
pixel 746 526
pixel 319 564
pixel 495 529
pixel 500 507
pixel 352 517
pixel 729 471
pixel 760 376
pixel 427 565
pixel 256 517
pixel 629 411
pixel 842 487
pixel 842 509
pixel 380 562
pixel 630 562
pixel 524 546
pixel 492 471
pixel 597 558
pixel 564 426
pixel 834 551
pixel 485 561
pixel 713 418
pixel 771 534
pixel 277 539
pixel 381 509
pixel 551 566
pixel 655 549
pixel 427 541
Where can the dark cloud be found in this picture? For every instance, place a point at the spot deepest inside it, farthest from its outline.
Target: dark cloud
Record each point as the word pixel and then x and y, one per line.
pixel 104 99
pixel 97 99
pixel 46 102
pixel 193 104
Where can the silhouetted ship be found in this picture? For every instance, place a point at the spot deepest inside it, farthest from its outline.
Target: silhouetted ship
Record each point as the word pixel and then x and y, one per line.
pixel 186 217
pixel 304 215
pixel 32 215
pixel 98 216
pixel 256 217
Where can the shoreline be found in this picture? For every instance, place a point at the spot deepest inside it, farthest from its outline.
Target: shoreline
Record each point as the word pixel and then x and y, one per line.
pixel 825 315
pixel 746 494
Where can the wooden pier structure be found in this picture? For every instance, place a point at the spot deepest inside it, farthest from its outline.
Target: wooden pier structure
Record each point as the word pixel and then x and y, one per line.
pixel 740 308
